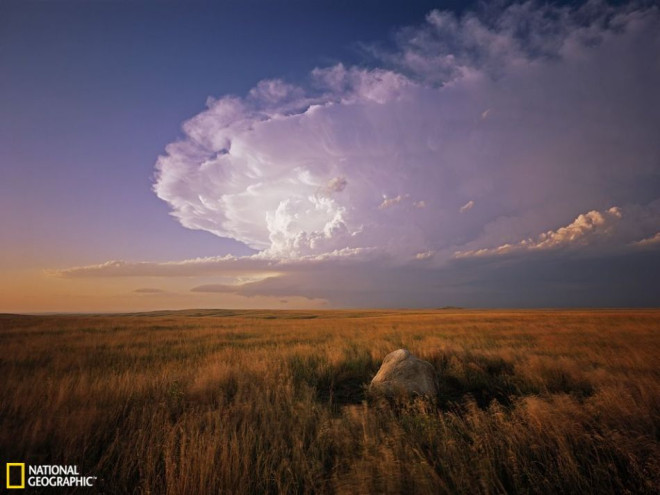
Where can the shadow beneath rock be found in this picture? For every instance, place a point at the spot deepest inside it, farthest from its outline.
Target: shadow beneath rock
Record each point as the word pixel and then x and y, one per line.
pixel 485 378
pixel 336 384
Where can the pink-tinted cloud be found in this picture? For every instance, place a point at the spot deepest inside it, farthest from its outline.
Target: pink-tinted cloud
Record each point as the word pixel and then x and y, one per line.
pixel 467 206
pixel 653 241
pixel 535 112
pixel 585 230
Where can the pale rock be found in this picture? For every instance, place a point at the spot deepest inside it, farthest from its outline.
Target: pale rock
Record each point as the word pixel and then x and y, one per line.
pixel 403 374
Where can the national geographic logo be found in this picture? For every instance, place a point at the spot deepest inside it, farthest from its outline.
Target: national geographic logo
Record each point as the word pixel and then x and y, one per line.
pixel 15 480
pixel 45 475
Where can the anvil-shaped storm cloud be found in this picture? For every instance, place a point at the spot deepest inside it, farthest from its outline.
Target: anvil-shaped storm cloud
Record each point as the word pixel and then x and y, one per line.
pixel 475 132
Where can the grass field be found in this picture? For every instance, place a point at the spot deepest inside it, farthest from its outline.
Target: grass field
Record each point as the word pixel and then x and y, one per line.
pixel 248 402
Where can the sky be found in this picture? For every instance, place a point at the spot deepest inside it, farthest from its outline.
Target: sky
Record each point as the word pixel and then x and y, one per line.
pixel 328 154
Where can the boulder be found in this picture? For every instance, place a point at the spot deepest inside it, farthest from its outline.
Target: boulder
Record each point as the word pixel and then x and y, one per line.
pixel 404 374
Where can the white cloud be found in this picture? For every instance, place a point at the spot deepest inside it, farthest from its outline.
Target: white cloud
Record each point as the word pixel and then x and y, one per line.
pixel 239 269
pixel 220 265
pixel 300 172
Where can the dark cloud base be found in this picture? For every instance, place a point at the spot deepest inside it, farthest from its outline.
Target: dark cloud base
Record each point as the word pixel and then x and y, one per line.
pixel 541 280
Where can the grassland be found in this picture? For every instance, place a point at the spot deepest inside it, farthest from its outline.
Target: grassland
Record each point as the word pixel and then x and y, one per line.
pixel 274 402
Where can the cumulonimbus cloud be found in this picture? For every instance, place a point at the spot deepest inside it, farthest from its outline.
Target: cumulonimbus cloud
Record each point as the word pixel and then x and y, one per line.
pixel 537 113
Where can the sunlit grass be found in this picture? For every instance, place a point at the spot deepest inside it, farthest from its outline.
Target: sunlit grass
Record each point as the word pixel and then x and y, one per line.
pixel 272 402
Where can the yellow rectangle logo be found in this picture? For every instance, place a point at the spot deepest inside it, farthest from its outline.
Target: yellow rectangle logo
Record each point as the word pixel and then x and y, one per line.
pixel 15 464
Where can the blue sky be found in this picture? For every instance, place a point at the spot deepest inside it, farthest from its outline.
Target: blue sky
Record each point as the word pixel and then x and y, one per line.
pixel 441 155
pixel 92 92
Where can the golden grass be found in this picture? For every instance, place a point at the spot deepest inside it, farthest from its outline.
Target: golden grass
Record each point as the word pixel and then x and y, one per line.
pixel 274 402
